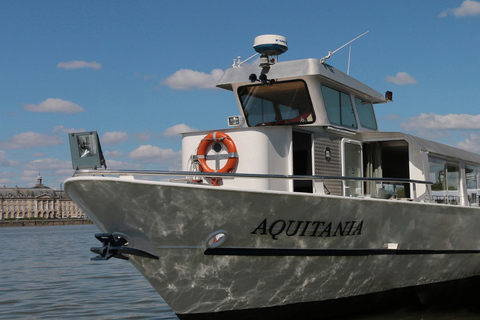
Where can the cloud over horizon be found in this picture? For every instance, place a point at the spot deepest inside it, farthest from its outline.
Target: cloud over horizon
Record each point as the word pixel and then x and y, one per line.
pixel 62 129
pixel 402 78
pixel 187 79
pixel 47 164
pixel 114 137
pixel 433 121
pixel 177 129
pixel 464 128
pixel 4 162
pixel 54 105
pixel 79 64
pixel 467 8
pixel 157 155
pixel 26 140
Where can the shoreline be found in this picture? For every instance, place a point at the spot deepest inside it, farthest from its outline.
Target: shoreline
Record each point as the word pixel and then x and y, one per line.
pixel 42 222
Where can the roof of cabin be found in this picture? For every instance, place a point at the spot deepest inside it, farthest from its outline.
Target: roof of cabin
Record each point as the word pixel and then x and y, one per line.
pixel 297 68
pixel 431 147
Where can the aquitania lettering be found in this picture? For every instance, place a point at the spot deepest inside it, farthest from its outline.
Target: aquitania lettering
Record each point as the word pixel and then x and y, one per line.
pixel 309 228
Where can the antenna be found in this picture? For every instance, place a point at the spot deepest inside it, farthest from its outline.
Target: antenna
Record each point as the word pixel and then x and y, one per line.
pixel 349 54
pixel 237 63
pixel 346 44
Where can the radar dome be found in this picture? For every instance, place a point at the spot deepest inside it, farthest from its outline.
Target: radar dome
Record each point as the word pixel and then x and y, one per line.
pixel 270 44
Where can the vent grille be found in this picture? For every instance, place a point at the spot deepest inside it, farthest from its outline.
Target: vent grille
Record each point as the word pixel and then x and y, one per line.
pixel 322 141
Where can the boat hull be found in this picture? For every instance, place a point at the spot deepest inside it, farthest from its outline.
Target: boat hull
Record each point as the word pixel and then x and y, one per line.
pixel 279 249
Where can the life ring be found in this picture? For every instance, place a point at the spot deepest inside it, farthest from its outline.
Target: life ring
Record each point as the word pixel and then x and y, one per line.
pixel 223 138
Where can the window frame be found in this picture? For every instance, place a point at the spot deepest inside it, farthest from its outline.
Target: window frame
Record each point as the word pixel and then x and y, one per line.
pixel 277 112
pixel 371 112
pixel 340 107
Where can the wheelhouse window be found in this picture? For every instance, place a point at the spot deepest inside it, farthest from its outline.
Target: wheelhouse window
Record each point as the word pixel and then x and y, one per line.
pixel 339 107
pixel 282 103
pixel 366 114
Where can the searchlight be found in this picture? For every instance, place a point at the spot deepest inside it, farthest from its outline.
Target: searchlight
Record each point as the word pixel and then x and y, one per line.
pixel 86 151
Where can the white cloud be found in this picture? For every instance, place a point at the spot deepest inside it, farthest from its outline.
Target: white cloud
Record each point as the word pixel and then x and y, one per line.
pixel 64 173
pixel 40 165
pixel 37 155
pixel 79 64
pixel 64 130
pixel 391 117
pixel 186 79
pixel 433 121
pixel 472 143
pixel 467 8
pixel 112 154
pixel 143 136
pixel 30 176
pixel 154 154
pixel 177 129
pixel 402 78
pixel 7 176
pixel 4 162
pixel 54 105
pixel 30 139
pixel 116 164
pixel 114 137
pixel 53 171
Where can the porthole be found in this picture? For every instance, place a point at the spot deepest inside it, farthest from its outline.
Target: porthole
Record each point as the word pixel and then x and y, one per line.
pixel 216 239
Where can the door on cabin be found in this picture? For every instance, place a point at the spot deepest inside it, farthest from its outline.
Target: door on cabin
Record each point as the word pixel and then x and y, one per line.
pixel 302 160
pixel 352 167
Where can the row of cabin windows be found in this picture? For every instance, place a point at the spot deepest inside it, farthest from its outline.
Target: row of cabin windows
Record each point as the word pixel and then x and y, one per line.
pixel 446 182
pixel 289 102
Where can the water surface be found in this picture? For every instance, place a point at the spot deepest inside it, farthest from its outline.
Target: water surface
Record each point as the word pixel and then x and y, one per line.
pixel 46 273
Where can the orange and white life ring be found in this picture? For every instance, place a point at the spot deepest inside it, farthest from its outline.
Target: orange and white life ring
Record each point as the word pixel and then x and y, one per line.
pixel 210 139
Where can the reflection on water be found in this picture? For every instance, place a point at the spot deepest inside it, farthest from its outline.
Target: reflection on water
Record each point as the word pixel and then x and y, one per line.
pixel 46 273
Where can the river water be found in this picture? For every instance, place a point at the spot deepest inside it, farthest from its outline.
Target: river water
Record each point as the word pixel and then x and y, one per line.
pixel 46 273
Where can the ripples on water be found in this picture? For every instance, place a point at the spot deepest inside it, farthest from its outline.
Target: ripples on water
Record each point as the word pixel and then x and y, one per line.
pixel 46 273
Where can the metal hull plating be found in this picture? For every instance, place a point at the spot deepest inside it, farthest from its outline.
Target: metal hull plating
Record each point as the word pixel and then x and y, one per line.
pixel 280 248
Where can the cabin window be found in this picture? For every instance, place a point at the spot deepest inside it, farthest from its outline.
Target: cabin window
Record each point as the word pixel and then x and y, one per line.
pixel 472 174
pixel 446 181
pixel 366 114
pixel 282 103
pixel 339 107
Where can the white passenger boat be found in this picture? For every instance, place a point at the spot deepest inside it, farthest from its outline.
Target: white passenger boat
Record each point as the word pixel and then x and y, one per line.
pixel 300 201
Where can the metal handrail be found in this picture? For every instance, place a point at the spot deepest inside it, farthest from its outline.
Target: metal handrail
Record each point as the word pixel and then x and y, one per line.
pixel 109 172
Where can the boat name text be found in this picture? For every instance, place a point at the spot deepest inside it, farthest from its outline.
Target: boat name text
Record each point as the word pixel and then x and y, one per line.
pixel 309 228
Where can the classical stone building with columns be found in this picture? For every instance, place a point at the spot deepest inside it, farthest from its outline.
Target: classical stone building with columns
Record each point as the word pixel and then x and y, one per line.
pixel 37 202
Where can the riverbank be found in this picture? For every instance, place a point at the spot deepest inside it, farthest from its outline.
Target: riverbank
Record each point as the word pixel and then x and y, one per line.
pixel 43 222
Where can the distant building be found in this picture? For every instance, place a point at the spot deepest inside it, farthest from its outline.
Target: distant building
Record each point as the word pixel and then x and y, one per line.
pixel 37 202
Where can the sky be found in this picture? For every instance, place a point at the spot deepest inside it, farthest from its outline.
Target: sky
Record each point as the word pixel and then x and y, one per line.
pixel 140 72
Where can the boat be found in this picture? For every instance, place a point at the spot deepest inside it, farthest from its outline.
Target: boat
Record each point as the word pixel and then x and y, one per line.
pixel 300 201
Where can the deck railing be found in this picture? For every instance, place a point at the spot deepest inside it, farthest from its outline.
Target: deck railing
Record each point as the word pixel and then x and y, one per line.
pixel 317 180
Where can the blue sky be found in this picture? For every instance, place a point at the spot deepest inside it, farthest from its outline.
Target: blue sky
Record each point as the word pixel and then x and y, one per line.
pixel 139 72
